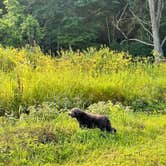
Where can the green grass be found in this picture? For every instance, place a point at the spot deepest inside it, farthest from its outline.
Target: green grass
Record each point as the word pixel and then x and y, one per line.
pixel 48 137
pixel 47 87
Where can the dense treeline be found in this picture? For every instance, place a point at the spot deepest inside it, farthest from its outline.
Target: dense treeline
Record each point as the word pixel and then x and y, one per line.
pixel 55 24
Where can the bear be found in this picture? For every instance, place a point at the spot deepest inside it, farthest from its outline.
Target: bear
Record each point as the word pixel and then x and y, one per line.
pixel 88 120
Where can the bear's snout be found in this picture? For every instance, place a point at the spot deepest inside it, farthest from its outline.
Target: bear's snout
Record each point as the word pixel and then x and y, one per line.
pixel 71 114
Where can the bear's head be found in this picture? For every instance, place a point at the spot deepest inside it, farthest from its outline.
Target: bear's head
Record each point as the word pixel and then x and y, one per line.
pixel 75 113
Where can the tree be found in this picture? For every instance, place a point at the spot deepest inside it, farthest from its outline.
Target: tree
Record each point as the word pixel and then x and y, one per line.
pixel 16 27
pixel 55 24
pixel 131 14
pixel 67 23
pixel 2 8
pixel 155 8
pixel 30 30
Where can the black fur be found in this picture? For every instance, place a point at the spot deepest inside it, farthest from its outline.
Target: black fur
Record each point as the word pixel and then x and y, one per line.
pixel 91 120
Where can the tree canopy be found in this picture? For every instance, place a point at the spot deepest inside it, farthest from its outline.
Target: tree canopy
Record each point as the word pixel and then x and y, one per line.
pixel 55 24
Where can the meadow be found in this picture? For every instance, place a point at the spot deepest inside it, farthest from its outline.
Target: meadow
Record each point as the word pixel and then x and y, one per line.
pixel 37 91
pixel 50 137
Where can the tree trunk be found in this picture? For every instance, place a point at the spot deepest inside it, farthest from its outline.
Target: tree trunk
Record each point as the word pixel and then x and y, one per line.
pixel 155 14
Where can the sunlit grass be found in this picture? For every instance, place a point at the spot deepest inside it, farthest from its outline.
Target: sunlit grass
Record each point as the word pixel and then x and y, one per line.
pixel 28 77
pixel 47 137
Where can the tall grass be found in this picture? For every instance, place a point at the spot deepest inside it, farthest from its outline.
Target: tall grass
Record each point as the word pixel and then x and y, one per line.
pixel 28 77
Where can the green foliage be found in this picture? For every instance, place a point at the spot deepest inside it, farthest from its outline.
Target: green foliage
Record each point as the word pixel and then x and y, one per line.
pixel 78 79
pixel 31 30
pixel 17 28
pixel 99 81
pixel 79 24
pixel 58 140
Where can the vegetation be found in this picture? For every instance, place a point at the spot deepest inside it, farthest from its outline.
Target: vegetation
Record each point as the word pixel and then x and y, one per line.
pixel 55 24
pixel 38 90
pixel 58 54
pixel 28 77
pixel 48 136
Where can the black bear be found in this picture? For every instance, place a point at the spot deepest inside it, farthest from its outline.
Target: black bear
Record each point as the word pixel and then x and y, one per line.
pixel 89 120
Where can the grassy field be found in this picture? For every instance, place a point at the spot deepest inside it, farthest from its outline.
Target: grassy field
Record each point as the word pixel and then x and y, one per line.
pixel 50 137
pixel 132 92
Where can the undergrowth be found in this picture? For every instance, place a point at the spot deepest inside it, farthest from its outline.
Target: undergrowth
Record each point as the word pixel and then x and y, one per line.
pixel 78 79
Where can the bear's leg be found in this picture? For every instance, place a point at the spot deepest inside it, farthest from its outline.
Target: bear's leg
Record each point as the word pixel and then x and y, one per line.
pixel 82 125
